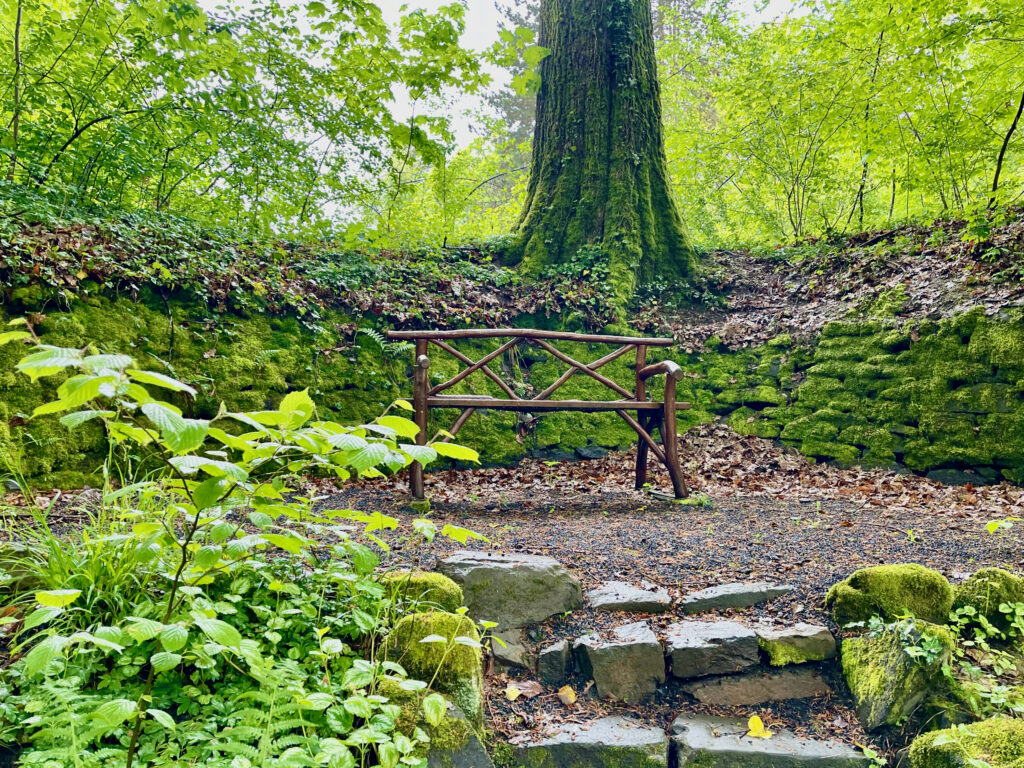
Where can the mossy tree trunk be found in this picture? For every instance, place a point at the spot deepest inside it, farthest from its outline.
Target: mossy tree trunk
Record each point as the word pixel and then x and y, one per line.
pixel 598 175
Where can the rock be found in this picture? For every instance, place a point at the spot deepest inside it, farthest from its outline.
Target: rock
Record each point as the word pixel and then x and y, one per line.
pixel 886 683
pixel 732 596
pixel 957 477
pixel 626 667
pixel 758 687
pixel 985 590
pixel 513 590
pixel 457 672
pixel 454 744
pixel 718 742
pixel 591 452
pixel 611 742
pixel 424 589
pixel 997 742
pixel 891 591
pixel 553 663
pixel 620 596
pixel 797 644
pixel 513 654
pixel 699 648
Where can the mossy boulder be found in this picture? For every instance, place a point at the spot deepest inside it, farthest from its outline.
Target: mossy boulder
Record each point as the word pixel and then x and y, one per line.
pixel 455 668
pixel 997 742
pixel 891 591
pixel 886 682
pixel 986 590
pixel 424 589
pixel 454 742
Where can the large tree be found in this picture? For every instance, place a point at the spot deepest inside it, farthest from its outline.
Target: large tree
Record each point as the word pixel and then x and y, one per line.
pixel 598 174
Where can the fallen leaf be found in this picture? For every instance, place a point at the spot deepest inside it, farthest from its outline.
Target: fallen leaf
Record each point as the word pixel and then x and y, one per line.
pixel 757 729
pixel 512 693
pixel 567 695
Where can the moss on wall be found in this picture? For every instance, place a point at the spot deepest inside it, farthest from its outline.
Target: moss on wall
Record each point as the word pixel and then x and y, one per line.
pixel 943 395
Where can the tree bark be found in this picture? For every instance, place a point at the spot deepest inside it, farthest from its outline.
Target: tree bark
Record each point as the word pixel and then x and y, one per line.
pixel 598 175
pixel 1002 152
pixel 16 120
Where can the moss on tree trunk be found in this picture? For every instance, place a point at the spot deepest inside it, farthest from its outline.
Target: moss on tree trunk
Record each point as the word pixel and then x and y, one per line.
pixel 599 174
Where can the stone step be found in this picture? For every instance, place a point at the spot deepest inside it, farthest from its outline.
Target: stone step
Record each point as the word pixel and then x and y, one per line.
pixel 735 595
pixel 627 666
pixel 611 742
pixel 797 644
pixel 622 596
pixel 514 590
pixel 715 742
pixel 758 687
pixel 701 648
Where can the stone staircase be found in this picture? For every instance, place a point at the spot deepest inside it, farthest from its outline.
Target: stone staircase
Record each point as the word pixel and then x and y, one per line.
pixel 717 662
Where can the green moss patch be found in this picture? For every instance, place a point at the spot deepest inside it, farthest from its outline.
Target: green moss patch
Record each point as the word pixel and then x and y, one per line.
pixel 986 590
pixel 424 589
pixel 997 743
pixel 891 591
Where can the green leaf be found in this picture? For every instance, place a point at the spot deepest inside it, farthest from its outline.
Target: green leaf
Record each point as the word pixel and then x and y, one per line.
pixel 41 655
pixel 220 632
pixel 359 706
pixel 164 661
pixel 369 456
pixel 173 637
pixel 8 336
pixel 160 380
pixel 181 435
pixel 424 454
pixel 405 405
pixel 188 465
pixel 162 717
pixel 401 426
pixel 112 713
pixel 210 491
pixel 434 639
pixel 291 544
pixel 142 630
pixel 41 616
pixel 434 708
pixel 462 535
pixel 458 452
pixel 297 408
pixel 78 418
pixel 95 363
pixel 57 598
pixel 48 361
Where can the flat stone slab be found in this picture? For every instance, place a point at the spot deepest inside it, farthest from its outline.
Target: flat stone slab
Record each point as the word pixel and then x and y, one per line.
pixel 758 687
pixel 513 590
pixel 553 663
pixel 622 596
pixel 628 666
pixel 513 654
pixel 611 742
pixel 700 648
pixel 717 742
pixel 732 596
pixel 797 644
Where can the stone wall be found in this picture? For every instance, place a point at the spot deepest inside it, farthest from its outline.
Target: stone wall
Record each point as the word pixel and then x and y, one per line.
pixel 934 397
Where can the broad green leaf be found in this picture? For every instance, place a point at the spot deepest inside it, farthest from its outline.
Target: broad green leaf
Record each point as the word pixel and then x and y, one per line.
pixel 369 456
pixel 405 405
pixel 48 361
pixel 161 717
pixel 164 661
pixel 297 408
pixel 458 452
pixel 424 454
pixel 76 419
pixel 461 535
pixel 42 654
pixel 173 637
pixel 181 435
pixel 291 544
pixel 401 426
pixel 8 336
pixel 434 708
pixel 112 713
pixel 142 629
pixel 160 380
pixel 220 632
pixel 57 598
pixel 359 706
pixel 188 465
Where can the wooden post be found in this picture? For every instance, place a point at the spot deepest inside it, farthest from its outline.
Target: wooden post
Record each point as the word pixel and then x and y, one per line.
pixel 641 362
pixel 421 386
pixel 668 434
pixel 645 422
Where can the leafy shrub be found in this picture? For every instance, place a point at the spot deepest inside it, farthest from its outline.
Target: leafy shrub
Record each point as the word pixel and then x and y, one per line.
pixel 194 619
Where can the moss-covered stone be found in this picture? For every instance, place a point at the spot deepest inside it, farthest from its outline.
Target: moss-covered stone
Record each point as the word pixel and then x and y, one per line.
pixel 986 590
pixel 453 668
pixel 997 743
pixel 891 591
pixel 886 683
pixel 425 589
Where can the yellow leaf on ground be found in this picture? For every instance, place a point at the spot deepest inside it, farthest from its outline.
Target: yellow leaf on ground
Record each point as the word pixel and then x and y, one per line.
pixel 512 693
pixel 567 695
pixel 757 729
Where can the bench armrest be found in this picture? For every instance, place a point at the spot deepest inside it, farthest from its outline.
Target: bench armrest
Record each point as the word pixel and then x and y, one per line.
pixel 667 367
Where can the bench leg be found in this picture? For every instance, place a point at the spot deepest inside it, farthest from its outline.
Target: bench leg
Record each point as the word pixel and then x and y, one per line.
pixel 670 444
pixel 421 385
pixel 648 423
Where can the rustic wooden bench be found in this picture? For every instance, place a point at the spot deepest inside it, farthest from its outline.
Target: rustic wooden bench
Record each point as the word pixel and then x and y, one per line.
pixel 650 414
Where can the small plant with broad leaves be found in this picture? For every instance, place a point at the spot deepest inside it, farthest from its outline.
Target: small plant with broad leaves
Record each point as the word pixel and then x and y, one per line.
pixel 208 614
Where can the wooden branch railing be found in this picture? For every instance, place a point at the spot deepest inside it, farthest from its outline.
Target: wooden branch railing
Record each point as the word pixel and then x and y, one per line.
pixel 651 415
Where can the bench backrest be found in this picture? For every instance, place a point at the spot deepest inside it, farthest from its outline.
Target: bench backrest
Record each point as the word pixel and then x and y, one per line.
pixel 541 338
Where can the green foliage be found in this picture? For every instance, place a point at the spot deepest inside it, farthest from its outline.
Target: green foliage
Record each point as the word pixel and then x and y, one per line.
pixel 848 116
pixel 190 621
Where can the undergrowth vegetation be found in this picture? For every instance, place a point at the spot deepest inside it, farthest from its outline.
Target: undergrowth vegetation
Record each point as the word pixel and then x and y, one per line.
pixel 208 613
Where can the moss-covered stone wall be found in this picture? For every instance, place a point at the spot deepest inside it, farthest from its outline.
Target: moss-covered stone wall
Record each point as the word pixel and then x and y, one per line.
pixel 947 394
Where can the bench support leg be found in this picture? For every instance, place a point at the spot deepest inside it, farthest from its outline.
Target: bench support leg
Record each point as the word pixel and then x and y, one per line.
pixel 421 387
pixel 648 423
pixel 669 442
